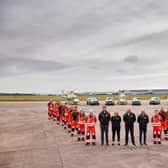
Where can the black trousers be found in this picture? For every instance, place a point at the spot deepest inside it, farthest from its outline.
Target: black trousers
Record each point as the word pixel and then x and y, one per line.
pixel 142 132
pixel 114 130
pixel 104 130
pixel 131 130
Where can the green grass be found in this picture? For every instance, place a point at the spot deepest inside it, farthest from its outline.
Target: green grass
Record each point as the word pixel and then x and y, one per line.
pixel 81 98
pixel 30 98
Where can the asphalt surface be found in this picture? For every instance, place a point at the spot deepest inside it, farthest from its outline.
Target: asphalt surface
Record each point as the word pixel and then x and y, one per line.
pixel 29 140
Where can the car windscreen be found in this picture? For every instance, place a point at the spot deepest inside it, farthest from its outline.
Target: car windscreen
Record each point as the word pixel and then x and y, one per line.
pixel 74 97
pixel 109 98
pixel 93 99
pixel 154 98
pixel 122 97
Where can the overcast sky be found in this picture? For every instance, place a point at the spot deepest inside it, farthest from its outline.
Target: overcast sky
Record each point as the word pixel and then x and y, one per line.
pixel 91 45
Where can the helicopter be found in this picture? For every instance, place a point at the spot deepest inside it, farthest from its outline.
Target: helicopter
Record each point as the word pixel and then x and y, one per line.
pixel 71 98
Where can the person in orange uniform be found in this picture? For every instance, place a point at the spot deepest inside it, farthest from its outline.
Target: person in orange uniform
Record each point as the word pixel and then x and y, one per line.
pixel 163 114
pixel 81 126
pixel 62 116
pixel 90 129
pixel 55 111
pixel 157 127
pixel 50 109
pixel 59 113
pixel 69 119
pixel 66 116
pixel 74 120
pixel 166 135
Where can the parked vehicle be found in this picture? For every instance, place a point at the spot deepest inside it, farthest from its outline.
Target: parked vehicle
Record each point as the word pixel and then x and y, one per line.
pixel 71 98
pixel 154 100
pixel 92 101
pixel 122 99
pixel 136 101
pixel 109 101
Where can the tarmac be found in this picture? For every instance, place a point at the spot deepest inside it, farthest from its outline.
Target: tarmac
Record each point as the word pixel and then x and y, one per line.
pixel 29 140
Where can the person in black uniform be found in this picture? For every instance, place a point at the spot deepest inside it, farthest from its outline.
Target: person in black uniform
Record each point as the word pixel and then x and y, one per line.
pixel 115 121
pixel 129 119
pixel 104 118
pixel 143 120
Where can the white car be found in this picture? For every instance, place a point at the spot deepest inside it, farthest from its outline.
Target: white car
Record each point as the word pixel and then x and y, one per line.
pixel 154 100
pixel 136 101
pixel 92 101
pixel 109 101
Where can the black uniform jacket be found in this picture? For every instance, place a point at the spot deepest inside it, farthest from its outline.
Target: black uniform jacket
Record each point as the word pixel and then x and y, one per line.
pixel 115 121
pixel 129 118
pixel 104 118
pixel 143 120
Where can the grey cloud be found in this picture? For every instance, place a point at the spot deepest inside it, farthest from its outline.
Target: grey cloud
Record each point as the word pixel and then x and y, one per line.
pixel 131 64
pixel 154 38
pixel 14 66
pixel 131 59
pixel 121 71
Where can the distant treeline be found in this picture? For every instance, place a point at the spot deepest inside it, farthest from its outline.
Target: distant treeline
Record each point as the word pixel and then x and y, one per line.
pixel 24 94
pixel 17 94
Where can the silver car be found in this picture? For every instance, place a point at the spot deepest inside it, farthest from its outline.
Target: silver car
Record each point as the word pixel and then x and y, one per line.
pixel 136 101
pixel 154 100
pixel 92 101
pixel 109 101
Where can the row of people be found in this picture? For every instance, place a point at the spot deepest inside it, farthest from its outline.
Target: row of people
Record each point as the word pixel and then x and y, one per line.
pixel 159 122
pixel 73 120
